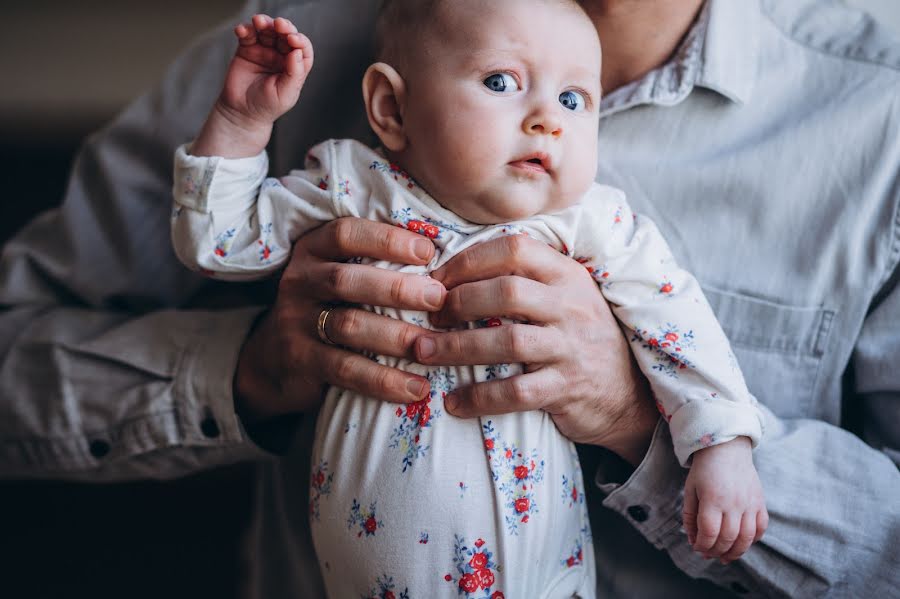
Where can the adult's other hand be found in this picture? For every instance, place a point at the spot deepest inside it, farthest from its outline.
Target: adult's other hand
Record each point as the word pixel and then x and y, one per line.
pixel 578 366
pixel 284 366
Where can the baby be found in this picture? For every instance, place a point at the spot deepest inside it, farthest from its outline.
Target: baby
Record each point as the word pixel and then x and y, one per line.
pixel 487 113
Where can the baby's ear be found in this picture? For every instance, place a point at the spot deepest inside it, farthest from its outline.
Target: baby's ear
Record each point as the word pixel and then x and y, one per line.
pixel 383 92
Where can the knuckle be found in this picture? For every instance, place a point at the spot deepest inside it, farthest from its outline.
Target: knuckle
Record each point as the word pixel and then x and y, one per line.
pixel 382 382
pixel 398 290
pixel 339 279
pixel 510 290
pixel 343 232
pixel 347 324
pixel 519 391
pixel 343 370
pixel 516 246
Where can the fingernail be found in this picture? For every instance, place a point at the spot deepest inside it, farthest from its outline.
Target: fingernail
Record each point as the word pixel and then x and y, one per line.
pixel 450 403
pixel 434 294
pixel 416 388
pixel 426 348
pixel 422 249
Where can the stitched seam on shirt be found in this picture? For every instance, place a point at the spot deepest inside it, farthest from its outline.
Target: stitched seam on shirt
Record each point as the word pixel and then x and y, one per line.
pixel 825 52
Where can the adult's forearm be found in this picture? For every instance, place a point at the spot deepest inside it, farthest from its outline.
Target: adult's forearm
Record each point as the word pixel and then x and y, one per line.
pixel 832 531
pixel 96 395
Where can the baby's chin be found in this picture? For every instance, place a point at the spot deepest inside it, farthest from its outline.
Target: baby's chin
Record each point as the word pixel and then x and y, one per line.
pixel 509 206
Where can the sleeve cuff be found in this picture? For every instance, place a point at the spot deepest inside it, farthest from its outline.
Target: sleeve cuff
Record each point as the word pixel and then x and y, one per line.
pixel 228 180
pixel 651 498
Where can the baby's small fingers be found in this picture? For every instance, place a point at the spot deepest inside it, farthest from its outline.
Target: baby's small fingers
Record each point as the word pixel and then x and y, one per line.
pixel 709 522
pixel 762 523
pixel 284 26
pixel 265 31
pixel 298 40
pixel 689 515
pixel 728 534
pixel 744 540
pixel 246 34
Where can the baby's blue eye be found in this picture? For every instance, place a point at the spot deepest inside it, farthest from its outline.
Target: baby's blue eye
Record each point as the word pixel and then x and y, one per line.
pixel 572 100
pixel 501 82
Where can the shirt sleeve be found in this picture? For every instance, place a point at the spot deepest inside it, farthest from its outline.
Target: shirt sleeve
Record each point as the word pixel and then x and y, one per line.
pixel 832 495
pixel 232 222
pixel 674 334
pixel 105 372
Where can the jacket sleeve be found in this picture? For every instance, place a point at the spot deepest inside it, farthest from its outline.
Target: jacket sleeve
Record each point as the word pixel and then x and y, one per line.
pixel 105 372
pixel 833 496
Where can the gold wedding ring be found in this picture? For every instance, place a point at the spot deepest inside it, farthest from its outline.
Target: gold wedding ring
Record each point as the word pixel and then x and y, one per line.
pixel 320 326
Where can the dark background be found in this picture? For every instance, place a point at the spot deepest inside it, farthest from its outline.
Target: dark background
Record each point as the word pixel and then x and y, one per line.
pixel 65 70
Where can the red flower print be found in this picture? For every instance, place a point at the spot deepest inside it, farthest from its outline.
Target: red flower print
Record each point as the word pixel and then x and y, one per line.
pixel 653 343
pixel 508 454
pixel 498 595
pixel 320 478
pixel 411 410
pixel 388 595
pixel 447 577
pixel 570 562
pixel 479 542
pixel 672 336
pixel 468 583
pixel 522 504
pixel 574 493
pixel 665 288
pixel 478 561
pixel 489 444
pixel 485 579
pixel 424 415
pixel 525 519
pixel 371 525
pixel 493 322
pixel 580 555
pixel 521 472
pixel 399 412
pixel 220 252
pixel 431 231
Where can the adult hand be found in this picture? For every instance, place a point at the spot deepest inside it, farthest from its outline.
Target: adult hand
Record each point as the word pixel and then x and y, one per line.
pixel 284 367
pixel 578 366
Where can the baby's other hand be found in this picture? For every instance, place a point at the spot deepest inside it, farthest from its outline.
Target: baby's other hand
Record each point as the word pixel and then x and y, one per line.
pixel 267 72
pixel 724 508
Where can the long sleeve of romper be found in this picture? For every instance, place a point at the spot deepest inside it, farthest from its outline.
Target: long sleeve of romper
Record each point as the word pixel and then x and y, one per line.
pixel 232 222
pixel 676 339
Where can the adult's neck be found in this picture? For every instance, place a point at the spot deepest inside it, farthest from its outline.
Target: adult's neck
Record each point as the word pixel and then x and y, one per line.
pixel 639 35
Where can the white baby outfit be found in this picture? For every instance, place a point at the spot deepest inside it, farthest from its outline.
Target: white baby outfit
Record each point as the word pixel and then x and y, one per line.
pixel 408 501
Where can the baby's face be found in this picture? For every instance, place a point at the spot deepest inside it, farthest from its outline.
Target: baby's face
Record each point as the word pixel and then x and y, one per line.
pixel 501 112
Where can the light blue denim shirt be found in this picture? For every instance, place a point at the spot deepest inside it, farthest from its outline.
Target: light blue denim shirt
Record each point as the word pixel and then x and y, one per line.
pixel 768 152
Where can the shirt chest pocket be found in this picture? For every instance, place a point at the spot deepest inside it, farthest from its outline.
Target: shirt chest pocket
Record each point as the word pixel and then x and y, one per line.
pixel 779 348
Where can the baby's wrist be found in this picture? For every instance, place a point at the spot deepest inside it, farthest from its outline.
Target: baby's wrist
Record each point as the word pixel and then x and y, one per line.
pixel 231 134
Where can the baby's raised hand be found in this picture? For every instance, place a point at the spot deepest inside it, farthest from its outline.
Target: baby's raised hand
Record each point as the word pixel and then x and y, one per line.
pixel 268 70
pixel 724 508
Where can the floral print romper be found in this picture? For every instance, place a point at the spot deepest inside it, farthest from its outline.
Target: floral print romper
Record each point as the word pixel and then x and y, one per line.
pixel 408 501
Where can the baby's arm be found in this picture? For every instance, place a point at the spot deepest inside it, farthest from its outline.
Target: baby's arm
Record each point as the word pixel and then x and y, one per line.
pixel 263 82
pixel 229 220
pixel 681 348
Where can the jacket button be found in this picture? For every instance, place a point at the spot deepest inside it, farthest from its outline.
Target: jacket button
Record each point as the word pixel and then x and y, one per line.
pixel 99 448
pixel 639 513
pixel 210 428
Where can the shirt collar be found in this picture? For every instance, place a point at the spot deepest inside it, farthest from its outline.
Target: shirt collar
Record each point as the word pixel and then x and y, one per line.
pixel 719 52
pixel 730 54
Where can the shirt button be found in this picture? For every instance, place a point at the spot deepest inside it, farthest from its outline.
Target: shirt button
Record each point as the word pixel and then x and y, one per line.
pixel 639 513
pixel 99 448
pixel 209 427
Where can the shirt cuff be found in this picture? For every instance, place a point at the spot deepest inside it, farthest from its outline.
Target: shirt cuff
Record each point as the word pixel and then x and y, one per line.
pixel 651 498
pixel 205 382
